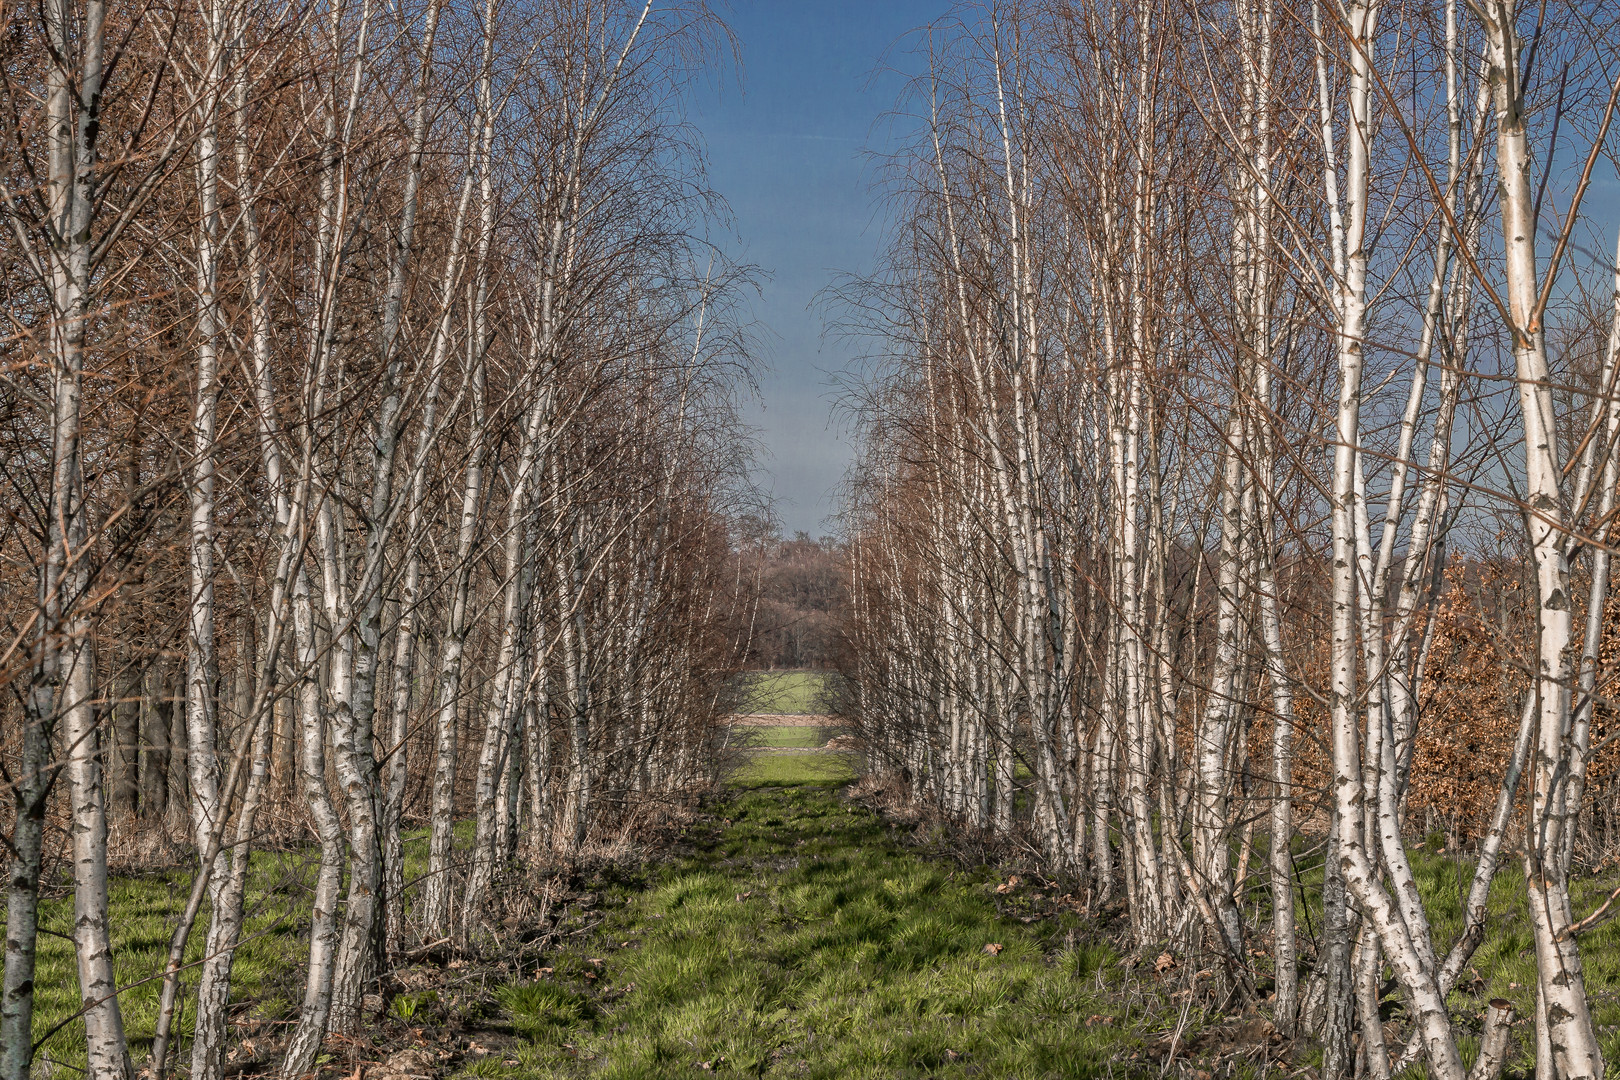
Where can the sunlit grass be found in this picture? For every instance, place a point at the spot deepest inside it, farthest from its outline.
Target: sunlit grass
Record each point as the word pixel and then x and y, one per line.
pixel 796 736
pixel 768 770
pixel 1506 959
pixel 144 911
pixel 266 975
pixel 784 692
pixel 1504 962
pixel 807 943
pixel 848 956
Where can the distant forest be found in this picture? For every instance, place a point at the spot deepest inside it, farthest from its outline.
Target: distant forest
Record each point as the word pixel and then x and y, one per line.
pixel 801 597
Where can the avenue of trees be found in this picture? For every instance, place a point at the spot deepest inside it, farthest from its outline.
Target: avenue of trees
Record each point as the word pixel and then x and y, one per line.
pixel 1237 479
pixel 369 458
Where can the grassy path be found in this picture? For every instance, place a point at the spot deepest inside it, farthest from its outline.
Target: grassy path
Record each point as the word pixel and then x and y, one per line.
pixel 801 739
pixel 798 939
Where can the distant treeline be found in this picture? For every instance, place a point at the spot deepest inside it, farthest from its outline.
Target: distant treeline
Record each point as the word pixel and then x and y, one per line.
pixel 801 598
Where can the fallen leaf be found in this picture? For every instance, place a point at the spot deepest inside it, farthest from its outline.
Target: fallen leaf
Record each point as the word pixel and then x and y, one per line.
pixel 994 948
pixel 1010 884
pixel 1164 963
pixel 595 961
pixel 474 1048
pixel 744 895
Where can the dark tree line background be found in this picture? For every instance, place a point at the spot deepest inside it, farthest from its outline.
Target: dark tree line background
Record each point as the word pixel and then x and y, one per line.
pixel 801 597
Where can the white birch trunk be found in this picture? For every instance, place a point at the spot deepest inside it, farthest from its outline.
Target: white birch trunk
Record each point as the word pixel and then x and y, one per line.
pixel 1568 1022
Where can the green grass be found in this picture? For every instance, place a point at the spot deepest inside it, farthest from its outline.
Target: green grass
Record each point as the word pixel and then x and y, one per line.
pixel 267 975
pixel 794 736
pixel 1504 962
pixel 143 913
pixel 850 956
pixel 784 692
pixel 805 942
pixel 766 770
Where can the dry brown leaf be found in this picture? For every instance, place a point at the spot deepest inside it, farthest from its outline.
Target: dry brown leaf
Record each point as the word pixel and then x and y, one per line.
pixel 994 948
pixel 1164 963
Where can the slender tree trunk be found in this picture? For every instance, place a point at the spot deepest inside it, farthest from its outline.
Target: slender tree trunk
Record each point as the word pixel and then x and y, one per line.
pixel 202 673
pixel 154 765
pixel 1568 1018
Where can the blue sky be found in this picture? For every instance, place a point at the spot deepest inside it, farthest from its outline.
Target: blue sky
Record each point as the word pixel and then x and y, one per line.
pixel 786 149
